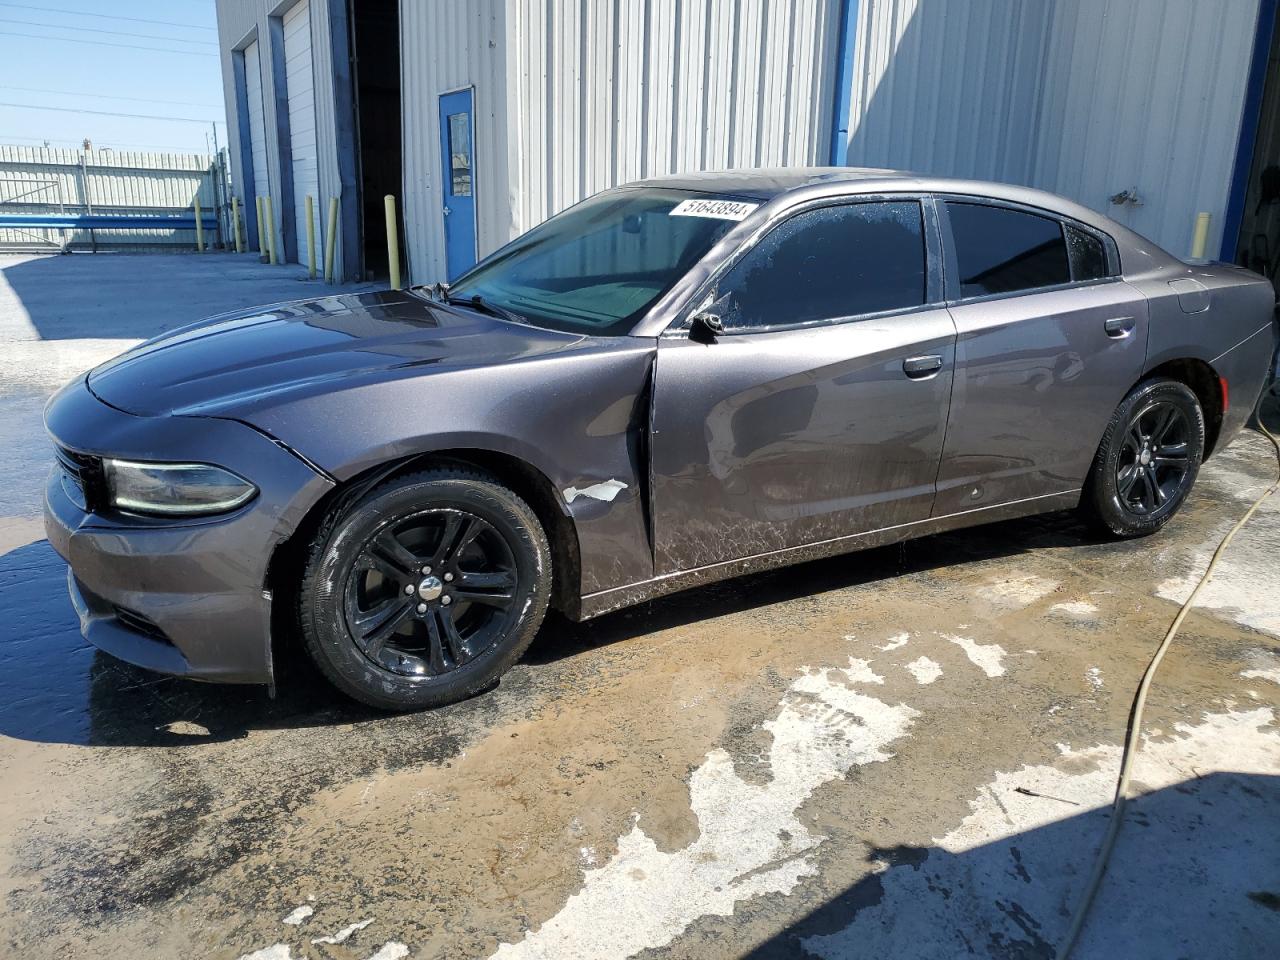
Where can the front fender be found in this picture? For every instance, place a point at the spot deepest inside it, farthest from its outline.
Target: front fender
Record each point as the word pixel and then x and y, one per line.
pixel 579 418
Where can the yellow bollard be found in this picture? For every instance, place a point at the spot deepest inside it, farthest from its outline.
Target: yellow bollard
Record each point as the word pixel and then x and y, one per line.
pixel 262 231
pixel 311 239
pixel 271 228
pixel 393 241
pixel 1200 239
pixel 235 223
pixel 199 228
pixel 330 239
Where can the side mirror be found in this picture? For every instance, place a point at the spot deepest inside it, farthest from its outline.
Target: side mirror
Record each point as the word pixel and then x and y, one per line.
pixel 706 327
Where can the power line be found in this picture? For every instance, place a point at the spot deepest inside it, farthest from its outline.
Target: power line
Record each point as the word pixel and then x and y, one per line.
pixel 105 16
pixel 107 96
pixel 163 147
pixel 114 33
pixel 105 43
pixel 112 113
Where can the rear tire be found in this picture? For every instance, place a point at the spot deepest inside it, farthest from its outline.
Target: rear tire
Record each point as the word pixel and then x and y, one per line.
pixel 1148 460
pixel 425 590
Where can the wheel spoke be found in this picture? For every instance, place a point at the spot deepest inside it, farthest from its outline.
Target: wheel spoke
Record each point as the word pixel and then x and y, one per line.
pixel 377 625
pixel 1126 479
pixel 470 529
pixel 436 655
pixel 487 579
pixel 499 600
pixel 1134 438
pixel 457 646
pixel 392 552
pixel 378 564
pixel 1143 501
pixel 1157 495
pixel 459 532
pixel 1163 417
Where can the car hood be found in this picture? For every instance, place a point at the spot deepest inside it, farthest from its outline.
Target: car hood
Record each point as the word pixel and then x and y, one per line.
pixel 234 362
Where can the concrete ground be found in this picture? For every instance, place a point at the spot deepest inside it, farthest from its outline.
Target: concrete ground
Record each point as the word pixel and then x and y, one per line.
pixel 906 752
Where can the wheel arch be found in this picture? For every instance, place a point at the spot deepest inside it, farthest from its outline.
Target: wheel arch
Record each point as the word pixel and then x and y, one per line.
pixel 521 477
pixel 1206 384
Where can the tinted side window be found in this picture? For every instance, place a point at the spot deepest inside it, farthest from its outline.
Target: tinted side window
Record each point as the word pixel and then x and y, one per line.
pixel 830 263
pixel 1000 250
pixel 1088 255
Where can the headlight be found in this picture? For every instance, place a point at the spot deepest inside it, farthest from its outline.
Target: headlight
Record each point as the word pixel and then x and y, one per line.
pixel 174 488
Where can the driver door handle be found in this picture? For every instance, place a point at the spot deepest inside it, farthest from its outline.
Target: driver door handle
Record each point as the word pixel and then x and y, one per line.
pixel 1118 327
pixel 922 368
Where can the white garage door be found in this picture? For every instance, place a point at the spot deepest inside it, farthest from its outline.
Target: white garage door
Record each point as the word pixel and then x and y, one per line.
pixel 302 121
pixel 257 126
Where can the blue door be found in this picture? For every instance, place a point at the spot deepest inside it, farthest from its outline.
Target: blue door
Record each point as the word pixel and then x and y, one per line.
pixel 458 181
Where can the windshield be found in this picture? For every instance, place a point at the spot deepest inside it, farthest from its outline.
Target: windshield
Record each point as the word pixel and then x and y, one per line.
pixel 598 266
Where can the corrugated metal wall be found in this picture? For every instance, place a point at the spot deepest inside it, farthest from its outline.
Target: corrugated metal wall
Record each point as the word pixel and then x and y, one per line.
pixel 239 21
pixel 50 180
pixel 608 91
pixel 1082 97
pixel 447 45
pixel 1147 94
pixel 574 96
pixel 950 89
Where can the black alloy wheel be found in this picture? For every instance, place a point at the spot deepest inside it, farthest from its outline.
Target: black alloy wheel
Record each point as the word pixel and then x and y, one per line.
pixel 1154 463
pixel 426 589
pixel 1148 459
pixel 430 592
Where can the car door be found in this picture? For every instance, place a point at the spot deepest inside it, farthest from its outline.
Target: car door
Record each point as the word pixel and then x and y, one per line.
pixel 1050 340
pixel 819 412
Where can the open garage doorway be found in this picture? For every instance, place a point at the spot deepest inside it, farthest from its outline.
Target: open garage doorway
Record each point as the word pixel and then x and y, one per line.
pixel 1256 192
pixel 375 43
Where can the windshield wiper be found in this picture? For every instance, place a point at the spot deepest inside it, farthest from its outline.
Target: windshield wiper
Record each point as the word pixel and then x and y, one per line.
pixel 477 302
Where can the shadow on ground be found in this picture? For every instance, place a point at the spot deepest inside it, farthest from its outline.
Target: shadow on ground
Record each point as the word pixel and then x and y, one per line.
pixel 56 688
pixel 1188 878
pixel 139 295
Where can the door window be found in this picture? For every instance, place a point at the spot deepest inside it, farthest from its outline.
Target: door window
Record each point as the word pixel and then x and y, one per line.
pixel 460 154
pixel 1088 255
pixel 999 250
pixel 828 264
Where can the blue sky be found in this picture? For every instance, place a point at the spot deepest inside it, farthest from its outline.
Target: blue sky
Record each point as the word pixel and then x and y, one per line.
pixel 177 74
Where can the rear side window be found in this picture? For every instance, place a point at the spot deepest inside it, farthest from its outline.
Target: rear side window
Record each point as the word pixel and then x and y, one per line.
pixel 999 250
pixel 829 264
pixel 1088 255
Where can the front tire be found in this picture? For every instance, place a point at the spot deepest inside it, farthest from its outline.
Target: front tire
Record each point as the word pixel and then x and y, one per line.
pixel 425 590
pixel 1148 460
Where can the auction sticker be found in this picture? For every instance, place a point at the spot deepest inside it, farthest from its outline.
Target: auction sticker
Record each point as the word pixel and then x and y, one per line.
pixel 719 209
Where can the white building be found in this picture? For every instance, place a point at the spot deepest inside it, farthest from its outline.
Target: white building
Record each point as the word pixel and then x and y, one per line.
pixel 484 117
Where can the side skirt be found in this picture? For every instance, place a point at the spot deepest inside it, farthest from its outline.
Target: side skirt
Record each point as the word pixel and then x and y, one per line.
pixel 605 601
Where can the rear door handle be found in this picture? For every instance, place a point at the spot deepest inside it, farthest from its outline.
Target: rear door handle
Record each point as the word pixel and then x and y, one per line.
pixel 922 368
pixel 1118 327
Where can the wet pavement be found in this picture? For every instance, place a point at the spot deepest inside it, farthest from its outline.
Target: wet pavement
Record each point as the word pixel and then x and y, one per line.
pixel 906 752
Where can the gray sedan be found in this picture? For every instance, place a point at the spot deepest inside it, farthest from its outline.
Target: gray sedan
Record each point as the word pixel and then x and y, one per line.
pixel 673 382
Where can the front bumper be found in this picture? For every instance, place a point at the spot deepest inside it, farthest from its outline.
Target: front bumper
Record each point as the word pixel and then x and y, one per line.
pixel 186 597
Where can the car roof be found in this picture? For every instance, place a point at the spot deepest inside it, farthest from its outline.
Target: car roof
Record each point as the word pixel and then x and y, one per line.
pixel 765 183
pixel 768 184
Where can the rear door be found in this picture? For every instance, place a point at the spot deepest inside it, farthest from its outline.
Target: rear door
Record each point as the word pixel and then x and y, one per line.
pixel 1050 340
pixel 820 412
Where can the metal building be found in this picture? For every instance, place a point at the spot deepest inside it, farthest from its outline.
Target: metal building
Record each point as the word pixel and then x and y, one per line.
pixel 484 117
